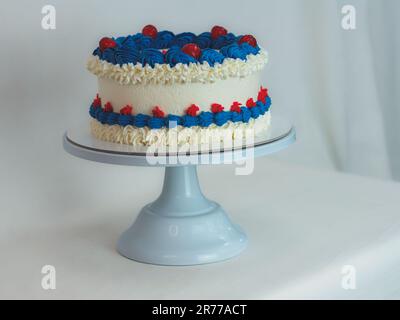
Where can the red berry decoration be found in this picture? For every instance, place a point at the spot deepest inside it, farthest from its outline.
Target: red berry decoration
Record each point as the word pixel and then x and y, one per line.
pixel 106 43
pixel 192 49
pixel 262 95
pixel 157 112
pixel 216 107
pixel 97 101
pixel 250 103
pixel 192 110
pixel 127 110
pixel 249 39
pixel 235 107
pixel 218 31
pixel 108 107
pixel 150 31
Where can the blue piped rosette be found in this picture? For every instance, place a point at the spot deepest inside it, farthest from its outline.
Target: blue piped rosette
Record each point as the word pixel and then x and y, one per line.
pixel 165 47
pixel 203 119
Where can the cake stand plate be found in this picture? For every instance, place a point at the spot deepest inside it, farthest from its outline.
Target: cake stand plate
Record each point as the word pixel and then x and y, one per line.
pixel 181 227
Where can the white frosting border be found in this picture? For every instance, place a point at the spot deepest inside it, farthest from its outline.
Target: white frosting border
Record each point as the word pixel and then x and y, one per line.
pixel 181 73
pixel 179 135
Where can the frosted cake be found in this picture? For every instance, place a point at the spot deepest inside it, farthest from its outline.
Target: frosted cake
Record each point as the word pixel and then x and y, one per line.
pixel 155 85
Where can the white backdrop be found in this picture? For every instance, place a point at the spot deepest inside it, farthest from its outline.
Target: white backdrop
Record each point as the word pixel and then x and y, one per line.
pixel 339 87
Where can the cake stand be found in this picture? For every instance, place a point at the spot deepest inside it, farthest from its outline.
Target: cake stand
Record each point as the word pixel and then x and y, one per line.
pixel 181 227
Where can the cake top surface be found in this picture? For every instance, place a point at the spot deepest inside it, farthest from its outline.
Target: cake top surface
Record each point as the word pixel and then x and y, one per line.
pixel 165 57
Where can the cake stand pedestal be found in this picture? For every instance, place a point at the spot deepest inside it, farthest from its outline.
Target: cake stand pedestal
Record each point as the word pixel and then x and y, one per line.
pixel 181 227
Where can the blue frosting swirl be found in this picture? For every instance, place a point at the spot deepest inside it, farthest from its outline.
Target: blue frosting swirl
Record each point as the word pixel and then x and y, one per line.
pixel 203 40
pixel 211 56
pixel 173 121
pixel 141 41
pixel 183 38
pixel 206 118
pixel 255 112
pixel 141 120
pixel 236 116
pixel 97 112
pixel 246 114
pixel 203 119
pixel 97 52
pixel 102 117
pixel 92 111
pixel 126 55
pixel 151 57
pixel 248 49
pixel 190 121
pixel 222 117
pixel 119 40
pixel 109 55
pixel 268 102
pixel 129 42
pixel 163 39
pixel 175 56
pixel 125 120
pixel 227 45
pixel 223 41
pixel 112 118
pixel 233 51
pixel 261 106
pixel 156 123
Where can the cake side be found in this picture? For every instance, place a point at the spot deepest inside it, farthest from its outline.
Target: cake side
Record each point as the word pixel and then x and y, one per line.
pixel 176 98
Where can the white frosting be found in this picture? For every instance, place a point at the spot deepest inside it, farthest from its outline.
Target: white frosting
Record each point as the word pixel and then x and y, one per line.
pixel 175 99
pixel 181 73
pixel 180 135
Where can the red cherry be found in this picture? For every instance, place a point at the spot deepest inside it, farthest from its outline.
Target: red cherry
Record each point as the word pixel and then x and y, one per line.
pixel 97 101
pixel 192 49
pixel 150 31
pixel 106 43
pixel 127 110
pixel 218 31
pixel 249 39
pixel 108 107
pixel 250 103
pixel 236 107
pixel 192 110
pixel 262 95
pixel 216 107
pixel 157 112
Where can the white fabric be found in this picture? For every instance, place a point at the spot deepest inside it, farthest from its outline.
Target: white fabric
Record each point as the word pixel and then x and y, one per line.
pixel 304 227
pixel 339 86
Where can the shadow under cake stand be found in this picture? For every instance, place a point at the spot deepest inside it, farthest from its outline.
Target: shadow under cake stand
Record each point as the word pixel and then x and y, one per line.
pixel 181 227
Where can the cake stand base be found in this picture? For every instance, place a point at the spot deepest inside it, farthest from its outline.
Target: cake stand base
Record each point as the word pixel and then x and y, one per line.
pixel 182 227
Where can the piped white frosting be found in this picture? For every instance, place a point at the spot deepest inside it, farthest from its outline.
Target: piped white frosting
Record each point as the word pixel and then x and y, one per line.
pixel 180 73
pixel 179 135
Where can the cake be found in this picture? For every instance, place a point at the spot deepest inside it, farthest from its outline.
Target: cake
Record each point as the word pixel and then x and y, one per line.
pixel 160 88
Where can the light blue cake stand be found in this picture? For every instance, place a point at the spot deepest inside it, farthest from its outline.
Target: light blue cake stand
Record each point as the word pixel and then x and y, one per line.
pixel 181 227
